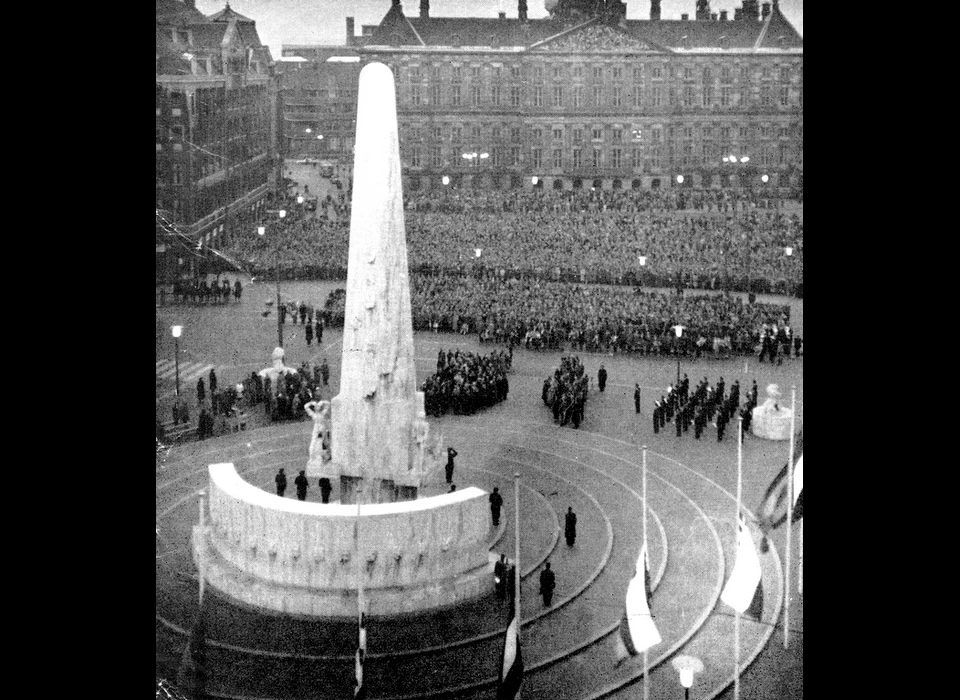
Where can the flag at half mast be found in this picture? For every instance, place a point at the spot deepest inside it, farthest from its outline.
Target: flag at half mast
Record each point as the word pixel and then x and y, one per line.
pixel 743 591
pixel 637 629
pixel 511 664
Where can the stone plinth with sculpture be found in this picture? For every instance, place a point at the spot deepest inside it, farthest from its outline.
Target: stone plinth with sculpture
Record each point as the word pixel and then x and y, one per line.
pixel 407 553
pixel 771 420
pixel 277 367
pixel 299 557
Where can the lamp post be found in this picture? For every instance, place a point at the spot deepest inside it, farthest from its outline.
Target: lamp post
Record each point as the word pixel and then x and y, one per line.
pixel 678 329
pixel 642 259
pixel 262 230
pixel 177 330
pixel 788 251
pixel 687 666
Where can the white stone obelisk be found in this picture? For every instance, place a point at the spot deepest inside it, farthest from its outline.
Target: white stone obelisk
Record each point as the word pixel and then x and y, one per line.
pixel 378 424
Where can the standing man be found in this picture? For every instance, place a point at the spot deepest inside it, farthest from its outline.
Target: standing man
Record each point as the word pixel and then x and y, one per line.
pixel 213 382
pixel 547 583
pixel 308 332
pixel 325 372
pixel 602 378
pixel 325 489
pixel 318 327
pixel 570 526
pixel 496 503
pixel 451 453
pixel 636 397
pixel 281 480
pixel 656 417
pixel 237 290
pixel 301 483
pixel 201 391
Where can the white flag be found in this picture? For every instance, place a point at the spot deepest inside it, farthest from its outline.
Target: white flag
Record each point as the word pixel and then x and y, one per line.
pixel 797 480
pixel 637 629
pixel 740 589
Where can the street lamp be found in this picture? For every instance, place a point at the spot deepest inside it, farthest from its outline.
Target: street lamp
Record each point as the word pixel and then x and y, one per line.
pixel 678 329
pixel 299 199
pixel 687 666
pixel 177 330
pixel 765 178
pixel 262 230
pixel 679 179
pixel 445 180
pixel 642 259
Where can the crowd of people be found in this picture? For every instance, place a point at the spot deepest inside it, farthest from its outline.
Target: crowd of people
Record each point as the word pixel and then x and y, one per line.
pixel 466 382
pixel 565 392
pixel 585 318
pixel 577 236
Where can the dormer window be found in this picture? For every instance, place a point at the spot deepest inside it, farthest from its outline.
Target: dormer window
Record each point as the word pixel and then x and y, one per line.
pixel 455 40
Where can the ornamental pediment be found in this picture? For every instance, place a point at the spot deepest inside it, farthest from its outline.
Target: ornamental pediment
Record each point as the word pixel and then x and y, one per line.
pixel 597 37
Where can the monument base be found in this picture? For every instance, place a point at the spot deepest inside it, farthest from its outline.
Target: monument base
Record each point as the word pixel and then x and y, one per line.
pixel 258 593
pixel 771 422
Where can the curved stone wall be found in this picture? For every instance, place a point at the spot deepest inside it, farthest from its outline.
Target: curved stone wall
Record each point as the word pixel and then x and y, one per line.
pixel 299 557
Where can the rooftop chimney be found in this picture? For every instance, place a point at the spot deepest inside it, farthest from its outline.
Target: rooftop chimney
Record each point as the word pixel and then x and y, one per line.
pixel 522 10
pixel 654 9
pixel 723 15
pixel 684 16
pixel 502 15
pixel 190 3
pixel 703 10
pixel 765 10
pixel 713 16
pixel 737 14
pixel 425 8
pixel 349 30
pixel 751 10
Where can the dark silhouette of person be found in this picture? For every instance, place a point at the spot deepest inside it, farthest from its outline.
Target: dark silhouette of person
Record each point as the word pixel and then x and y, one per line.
pixel 547 583
pixel 570 527
pixel 602 378
pixel 325 489
pixel 281 480
pixel 451 453
pixel 496 502
pixel 636 398
pixel 301 483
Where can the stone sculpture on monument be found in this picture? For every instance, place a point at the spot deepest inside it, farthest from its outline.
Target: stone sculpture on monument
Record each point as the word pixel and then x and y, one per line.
pixel 771 420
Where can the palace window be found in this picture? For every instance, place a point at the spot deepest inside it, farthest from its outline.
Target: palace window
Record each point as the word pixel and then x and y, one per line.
pixel 577 97
pixel 437 133
pixel 475 72
pixel 656 98
pixel 597 157
pixel 557 157
pixel 557 96
pixel 415 156
pixel 577 135
pixel 455 95
pixel 538 74
pixel 577 158
pixel 636 96
pixel 457 74
pixel 597 96
pixel 558 134
pixel 515 72
pixel 475 95
pixel 598 72
pixel 656 72
pixel 514 95
pixel 617 97
pixel 617 135
pixel 537 96
pixel 618 72
pixel 578 72
pixel 415 95
pixel 557 72
pixel 638 74
pixel 536 157
pixel 435 94
pixel 597 134
pixel 495 95
pixel 436 157
pixel 636 158
pixel 615 157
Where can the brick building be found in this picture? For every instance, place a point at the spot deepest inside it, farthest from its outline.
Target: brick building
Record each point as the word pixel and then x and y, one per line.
pixel 586 97
pixel 216 125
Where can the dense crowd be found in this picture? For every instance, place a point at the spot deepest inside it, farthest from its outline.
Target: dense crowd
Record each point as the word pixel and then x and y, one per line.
pixel 465 382
pixel 585 236
pixel 586 318
pixel 565 392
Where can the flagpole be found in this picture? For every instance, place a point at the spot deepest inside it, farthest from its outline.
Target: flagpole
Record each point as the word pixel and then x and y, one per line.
pixel 786 587
pixel 202 549
pixel 516 556
pixel 361 642
pixel 646 678
pixel 800 571
pixel 736 623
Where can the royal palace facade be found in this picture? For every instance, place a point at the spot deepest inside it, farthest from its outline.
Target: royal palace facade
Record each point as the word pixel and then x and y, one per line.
pixel 586 97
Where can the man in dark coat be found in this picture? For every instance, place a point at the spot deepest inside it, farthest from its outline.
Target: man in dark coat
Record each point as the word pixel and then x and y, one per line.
pixel 451 453
pixel 679 422
pixel 303 313
pixel 602 378
pixel 570 526
pixel 213 381
pixel 496 502
pixel 636 397
pixel 325 372
pixel 547 583
pixel 663 412
pixel 201 391
pixel 721 425
pixel 301 483
pixel 308 333
pixel 318 328
pixel 656 417
pixel 237 289
pixel 325 489
pixel 281 480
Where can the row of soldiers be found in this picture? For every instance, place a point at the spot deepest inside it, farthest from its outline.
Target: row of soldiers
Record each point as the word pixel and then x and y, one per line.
pixel 565 393
pixel 197 290
pixel 466 382
pixel 701 406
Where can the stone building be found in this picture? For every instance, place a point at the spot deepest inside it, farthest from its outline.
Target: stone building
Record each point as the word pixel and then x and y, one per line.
pixel 586 97
pixel 319 96
pixel 216 120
